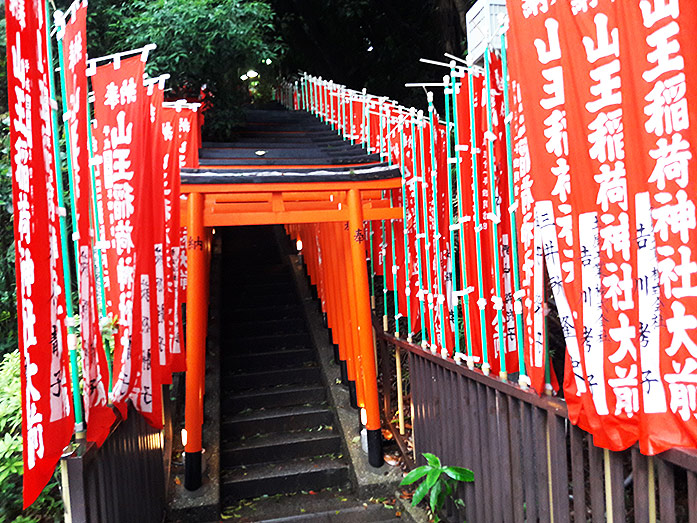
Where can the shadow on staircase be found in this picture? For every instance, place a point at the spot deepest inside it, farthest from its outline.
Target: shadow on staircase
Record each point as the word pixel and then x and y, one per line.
pixel 282 455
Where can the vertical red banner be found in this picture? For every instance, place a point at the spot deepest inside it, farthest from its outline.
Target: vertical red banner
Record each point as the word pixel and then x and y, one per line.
pixel 545 203
pixel 120 112
pixel 658 78
pixel 98 414
pixel 47 417
pixel 168 147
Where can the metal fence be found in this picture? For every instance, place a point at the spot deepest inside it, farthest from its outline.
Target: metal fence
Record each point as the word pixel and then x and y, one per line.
pixel 530 464
pixel 125 479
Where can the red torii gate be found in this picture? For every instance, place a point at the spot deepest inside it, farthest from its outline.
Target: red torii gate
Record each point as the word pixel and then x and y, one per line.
pixel 257 198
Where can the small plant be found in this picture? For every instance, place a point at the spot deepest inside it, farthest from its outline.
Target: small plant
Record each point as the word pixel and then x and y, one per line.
pixel 438 483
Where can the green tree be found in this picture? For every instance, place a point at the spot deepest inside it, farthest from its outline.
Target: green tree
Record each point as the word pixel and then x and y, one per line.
pixel 199 42
pixel 48 507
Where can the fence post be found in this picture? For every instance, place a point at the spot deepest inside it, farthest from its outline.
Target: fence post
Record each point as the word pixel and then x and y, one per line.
pixel 73 483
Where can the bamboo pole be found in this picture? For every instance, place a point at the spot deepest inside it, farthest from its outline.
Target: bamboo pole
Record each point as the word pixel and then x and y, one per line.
pixel 67 276
pixel 523 380
pixel 498 305
pixel 481 302
pixel 439 273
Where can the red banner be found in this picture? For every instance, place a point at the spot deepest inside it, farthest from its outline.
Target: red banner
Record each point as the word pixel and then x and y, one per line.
pixel 622 242
pixel 120 111
pixel 657 87
pixel 47 417
pixel 98 414
pixel 167 152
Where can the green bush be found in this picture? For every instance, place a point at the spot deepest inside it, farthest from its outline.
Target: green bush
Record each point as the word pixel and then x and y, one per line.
pixel 49 506
pixel 8 306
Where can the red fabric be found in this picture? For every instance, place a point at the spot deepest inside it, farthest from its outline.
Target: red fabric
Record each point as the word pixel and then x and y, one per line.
pixel 658 99
pixel 189 137
pixel 120 111
pixel 160 299
pixel 99 416
pixel 167 152
pixel 47 416
pixel 182 264
pixel 623 241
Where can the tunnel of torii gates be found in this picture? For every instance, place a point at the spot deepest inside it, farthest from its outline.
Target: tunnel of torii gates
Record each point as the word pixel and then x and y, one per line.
pixel 333 198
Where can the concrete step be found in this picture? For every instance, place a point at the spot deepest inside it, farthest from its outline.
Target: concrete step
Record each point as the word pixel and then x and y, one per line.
pixel 277 312
pixel 291 375
pixel 330 505
pixel 281 446
pixel 257 362
pixel 268 342
pixel 279 478
pixel 281 396
pixel 233 300
pixel 268 326
pixel 281 419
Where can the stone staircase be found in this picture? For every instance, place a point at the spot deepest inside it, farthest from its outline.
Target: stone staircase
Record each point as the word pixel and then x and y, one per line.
pixel 279 440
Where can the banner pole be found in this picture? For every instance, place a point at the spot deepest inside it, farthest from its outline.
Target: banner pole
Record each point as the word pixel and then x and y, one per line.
pixel 419 254
pixel 371 266
pixel 461 221
pixel 350 126
pixel 518 306
pixel 481 302
pixel 494 222
pixel 407 288
pixel 439 299
pixel 449 92
pixel 427 239
pixel 70 311
pixel 97 236
pixel 395 292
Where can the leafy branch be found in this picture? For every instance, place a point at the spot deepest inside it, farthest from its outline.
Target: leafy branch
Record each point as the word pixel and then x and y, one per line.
pixel 438 482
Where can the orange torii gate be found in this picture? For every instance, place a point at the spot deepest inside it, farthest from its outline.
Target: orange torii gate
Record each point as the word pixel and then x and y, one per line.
pixel 325 197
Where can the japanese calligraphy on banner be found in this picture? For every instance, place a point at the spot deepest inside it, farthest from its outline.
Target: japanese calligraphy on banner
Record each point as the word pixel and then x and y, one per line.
pixel 168 144
pixel 120 112
pixel 47 417
pixel 603 115
pixel 99 415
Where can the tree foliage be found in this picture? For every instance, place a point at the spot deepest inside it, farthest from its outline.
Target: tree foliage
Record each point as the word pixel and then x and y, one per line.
pixel 199 42
pixel 371 43
pixel 48 507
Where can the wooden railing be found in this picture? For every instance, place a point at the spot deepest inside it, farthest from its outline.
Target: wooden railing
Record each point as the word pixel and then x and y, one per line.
pixel 530 463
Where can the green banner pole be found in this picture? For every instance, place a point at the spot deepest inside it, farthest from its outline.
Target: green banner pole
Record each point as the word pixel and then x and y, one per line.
pixel 371 265
pixel 407 260
pixel 523 380
pixel 419 254
pixel 383 254
pixel 440 298
pixel 452 159
pixel 466 290
pixel 394 269
pixel 70 311
pixel 106 338
pixel 481 302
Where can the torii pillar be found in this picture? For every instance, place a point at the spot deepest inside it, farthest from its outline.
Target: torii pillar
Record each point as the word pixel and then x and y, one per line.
pixel 366 352
pixel 196 329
